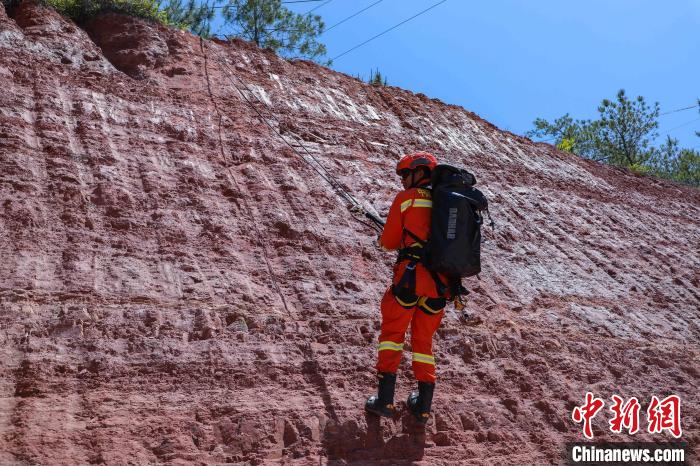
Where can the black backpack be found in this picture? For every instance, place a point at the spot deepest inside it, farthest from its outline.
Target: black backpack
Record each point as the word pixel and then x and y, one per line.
pixel 454 246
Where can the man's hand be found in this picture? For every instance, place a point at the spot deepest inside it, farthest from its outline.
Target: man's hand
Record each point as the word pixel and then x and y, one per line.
pixel 378 221
pixel 356 209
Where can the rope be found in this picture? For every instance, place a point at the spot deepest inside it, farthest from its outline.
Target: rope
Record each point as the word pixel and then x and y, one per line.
pixel 357 207
pixel 312 357
pixel 258 235
pixel 317 166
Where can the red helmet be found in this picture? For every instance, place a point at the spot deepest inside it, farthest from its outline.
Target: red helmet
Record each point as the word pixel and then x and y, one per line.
pixel 413 161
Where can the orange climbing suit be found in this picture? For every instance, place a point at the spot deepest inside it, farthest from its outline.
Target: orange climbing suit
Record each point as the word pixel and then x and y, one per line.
pixel 411 210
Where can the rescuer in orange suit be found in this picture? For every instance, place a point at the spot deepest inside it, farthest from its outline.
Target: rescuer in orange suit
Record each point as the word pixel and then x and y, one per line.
pixel 416 296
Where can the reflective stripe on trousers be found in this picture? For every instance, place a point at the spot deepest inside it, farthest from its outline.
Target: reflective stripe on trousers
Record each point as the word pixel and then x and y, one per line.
pixel 395 322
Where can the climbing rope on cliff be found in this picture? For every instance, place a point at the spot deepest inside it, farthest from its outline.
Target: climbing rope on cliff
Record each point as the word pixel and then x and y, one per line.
pixel 258 235
pixel 312 359
pixel 355 207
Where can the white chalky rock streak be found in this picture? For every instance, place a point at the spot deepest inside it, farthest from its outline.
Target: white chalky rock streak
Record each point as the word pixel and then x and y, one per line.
pixel 116 198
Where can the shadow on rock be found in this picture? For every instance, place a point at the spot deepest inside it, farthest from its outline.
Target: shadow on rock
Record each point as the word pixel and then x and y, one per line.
pixel 400 441
pixel 132 46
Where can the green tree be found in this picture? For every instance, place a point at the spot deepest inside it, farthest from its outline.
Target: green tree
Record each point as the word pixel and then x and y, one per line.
pixel 188 14
pixel 376 78
pixel 269 24
pixel 670 161
pixel 626 130
pixel 686 168
pixel 81 11
pixel 661 160
pixel 621 136
pixel 183 14
pixel 576 136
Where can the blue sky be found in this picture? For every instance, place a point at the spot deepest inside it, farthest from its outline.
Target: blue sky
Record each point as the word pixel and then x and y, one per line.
pixel 511 61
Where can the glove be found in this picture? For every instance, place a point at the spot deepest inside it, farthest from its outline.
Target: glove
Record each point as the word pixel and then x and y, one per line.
pixel 356 209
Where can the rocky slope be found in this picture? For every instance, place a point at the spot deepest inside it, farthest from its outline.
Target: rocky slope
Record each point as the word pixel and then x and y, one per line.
pixel 178 285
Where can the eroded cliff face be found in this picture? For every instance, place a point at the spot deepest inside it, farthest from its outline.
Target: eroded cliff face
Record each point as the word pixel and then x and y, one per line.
pixel 178 285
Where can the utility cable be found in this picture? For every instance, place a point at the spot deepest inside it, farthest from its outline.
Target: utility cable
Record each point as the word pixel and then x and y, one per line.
pixel 661 114
pixel 680 109
pixel 352 16
pixel 390 29
pixel 316 8
pixel 679 126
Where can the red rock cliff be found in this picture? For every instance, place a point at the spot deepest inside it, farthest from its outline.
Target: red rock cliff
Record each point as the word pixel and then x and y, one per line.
pixel 178 285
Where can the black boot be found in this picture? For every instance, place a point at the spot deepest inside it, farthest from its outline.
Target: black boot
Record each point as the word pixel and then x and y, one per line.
pixel 420 402
pixel 382 404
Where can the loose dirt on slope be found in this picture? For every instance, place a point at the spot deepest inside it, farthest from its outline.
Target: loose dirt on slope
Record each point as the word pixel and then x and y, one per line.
pixel 179 286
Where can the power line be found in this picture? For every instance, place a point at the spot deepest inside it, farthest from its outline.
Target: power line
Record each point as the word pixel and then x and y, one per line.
pixel 352 16
pixel 657 137
pixel 679 126
pixel 680 109
pixel 390 29
pixel 317 7
pixel 336 24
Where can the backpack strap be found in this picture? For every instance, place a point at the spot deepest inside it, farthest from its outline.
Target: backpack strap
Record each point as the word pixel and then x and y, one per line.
pixel 422 242
pixel 410 253
pixel 441 287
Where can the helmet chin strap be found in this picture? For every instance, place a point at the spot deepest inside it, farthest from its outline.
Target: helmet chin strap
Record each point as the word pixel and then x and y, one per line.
pixel 422 181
